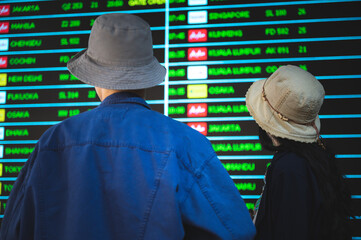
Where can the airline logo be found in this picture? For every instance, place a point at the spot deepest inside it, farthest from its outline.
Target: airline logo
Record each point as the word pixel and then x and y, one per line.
pixel 197 72
pixel 1 151
pixel 2 133
pixel 2 115
pixel 197 54
pixel 3 79
pixel 197 2
pixel 2 97
pixel 197 35
pixel 197 91
pixel 5 10
pixel 4 27
pixel 4 44
pixel 196 17
pixel 3 62
pixel 196 110
pixel 200 127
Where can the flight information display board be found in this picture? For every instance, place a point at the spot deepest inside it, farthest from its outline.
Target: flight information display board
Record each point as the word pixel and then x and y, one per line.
pixel 213 50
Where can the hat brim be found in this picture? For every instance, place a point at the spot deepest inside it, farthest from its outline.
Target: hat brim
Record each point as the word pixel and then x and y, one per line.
pixel 116 77
pixel 269 120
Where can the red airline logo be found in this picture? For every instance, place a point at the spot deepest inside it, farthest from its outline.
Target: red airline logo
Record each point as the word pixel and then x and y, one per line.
pixel 197 110
pixel 197 35
pixel 5 10
pixel 200 127
pixel 4 27
pixel 197 54
pixel 3 62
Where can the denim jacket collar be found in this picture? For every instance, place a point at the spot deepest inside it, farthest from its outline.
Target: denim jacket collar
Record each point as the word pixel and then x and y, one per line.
pixel 124 97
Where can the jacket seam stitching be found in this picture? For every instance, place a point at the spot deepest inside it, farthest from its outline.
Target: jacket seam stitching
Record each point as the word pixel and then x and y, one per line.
pixel 195 176
pixel 211 202
pixel 151 201
pixel 62 147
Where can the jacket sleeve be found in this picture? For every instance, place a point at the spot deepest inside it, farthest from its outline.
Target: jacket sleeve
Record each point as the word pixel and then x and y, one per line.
pixel 214 208
pixel 291 206
pixel 19 218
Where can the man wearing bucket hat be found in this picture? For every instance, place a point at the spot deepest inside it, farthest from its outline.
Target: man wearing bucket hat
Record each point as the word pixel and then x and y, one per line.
pixel 304 197
pixel 121 170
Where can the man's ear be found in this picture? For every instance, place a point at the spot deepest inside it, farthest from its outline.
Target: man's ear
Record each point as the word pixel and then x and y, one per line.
pixel 99 93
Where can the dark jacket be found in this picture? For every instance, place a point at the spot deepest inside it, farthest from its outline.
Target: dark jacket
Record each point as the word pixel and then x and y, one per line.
pixel 123 171
pixel 290 206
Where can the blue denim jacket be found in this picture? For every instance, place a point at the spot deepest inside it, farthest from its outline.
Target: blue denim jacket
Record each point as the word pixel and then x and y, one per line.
pixel 123 171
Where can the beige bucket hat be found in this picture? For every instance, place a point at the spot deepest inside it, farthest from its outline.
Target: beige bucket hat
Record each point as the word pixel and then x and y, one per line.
pixel 287 103
pixel 119 55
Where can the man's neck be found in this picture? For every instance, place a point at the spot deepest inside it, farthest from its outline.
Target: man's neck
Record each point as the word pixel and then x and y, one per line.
pixel 104 93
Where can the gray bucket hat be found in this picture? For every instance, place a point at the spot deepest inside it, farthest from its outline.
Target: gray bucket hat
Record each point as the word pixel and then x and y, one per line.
pixel 287 104
pixel 119 55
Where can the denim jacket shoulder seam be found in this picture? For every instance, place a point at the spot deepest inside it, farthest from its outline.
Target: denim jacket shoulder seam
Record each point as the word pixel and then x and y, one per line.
pixel 195 175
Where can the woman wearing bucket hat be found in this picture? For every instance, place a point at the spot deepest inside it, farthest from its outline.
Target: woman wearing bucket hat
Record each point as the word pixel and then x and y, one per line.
pixel 304 197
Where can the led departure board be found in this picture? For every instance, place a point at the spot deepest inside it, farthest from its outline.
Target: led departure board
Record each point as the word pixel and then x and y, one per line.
pixel 213 51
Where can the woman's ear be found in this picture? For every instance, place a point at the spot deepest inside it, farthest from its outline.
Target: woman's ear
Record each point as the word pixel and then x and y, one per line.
pixel 275 141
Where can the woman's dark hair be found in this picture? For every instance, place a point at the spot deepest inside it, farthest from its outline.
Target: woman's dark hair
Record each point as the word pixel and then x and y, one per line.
pixel 337 199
